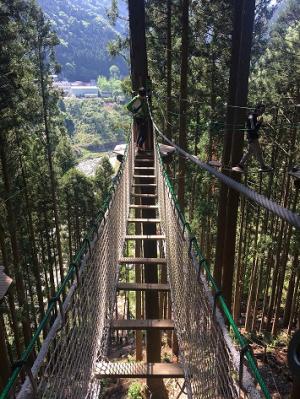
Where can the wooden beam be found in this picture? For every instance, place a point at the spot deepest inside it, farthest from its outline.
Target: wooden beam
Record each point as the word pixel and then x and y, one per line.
pixel 151 324
pixel 143 261
pixel 145 237
pixel 142 287
pixel 143 220
pixel 138 370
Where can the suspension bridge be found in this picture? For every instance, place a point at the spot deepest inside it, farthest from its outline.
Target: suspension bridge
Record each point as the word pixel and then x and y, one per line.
pixel 74 358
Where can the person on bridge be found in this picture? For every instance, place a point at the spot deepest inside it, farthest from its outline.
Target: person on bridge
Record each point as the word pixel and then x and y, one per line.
pixel 139 108
pixel 254 122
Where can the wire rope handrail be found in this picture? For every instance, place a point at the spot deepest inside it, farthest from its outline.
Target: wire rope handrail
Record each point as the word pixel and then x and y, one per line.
pixel 284 213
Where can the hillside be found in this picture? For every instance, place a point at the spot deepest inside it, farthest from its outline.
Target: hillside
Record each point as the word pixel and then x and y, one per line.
pixel 84 31
pixel 95 125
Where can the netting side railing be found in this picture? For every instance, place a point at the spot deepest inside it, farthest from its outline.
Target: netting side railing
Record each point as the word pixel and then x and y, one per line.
pixel 79 315
pixel 213 367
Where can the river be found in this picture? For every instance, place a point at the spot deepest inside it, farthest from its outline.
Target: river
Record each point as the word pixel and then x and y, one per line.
pixel 88 166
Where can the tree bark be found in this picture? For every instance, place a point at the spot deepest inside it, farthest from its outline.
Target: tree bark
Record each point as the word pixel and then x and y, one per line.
pixel 241 93
pixel 53 185
pixel 169 70
pixel 12 228
pixel 183 100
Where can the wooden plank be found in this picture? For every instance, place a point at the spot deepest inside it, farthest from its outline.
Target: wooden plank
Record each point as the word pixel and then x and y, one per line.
pixel 145 237
pixel 138 370
pixel 135 206
pixel 143 220
pixel 144 167
pixel 144 195
pixel 143 261
pixel 142 176
pixel 154 324
pixel 142 287
pixel 144 160
pixel 145 185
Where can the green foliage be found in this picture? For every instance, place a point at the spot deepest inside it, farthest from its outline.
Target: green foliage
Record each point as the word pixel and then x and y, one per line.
pixel 112 85
pixel 79 200
pixel 114 72
pixel 135 390
pixel 64 156
pixel 97 124
pixel 103 177
pixel 84 33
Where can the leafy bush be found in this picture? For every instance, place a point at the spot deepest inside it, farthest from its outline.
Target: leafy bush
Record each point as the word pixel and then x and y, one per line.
pixel 135 390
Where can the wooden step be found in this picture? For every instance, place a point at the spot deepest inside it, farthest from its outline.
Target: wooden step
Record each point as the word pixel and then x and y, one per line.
pixel 142 261
pixel 143 176
pixel 142 287
pixel 138 370
pixel 144 195
pixel 144 167
pixel 145 185
pixel 144 155
pixel 145 237
pixel 136 206
pixel 155 324
pixel 143 220
pixel 144 160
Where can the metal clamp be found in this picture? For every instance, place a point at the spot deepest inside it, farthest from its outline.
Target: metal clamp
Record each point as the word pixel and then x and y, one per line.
pixel 192 239
pixel 22 363
pixel 243 352
pixel 218 293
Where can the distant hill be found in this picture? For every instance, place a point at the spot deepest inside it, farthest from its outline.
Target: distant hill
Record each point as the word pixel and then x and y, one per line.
pixel 84 31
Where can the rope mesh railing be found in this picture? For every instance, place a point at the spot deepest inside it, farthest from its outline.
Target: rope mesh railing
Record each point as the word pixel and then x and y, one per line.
pixel 211 362
pixel 79 332
pixel 78 335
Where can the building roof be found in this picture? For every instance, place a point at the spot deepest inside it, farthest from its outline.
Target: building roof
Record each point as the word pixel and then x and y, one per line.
pixel 5 282
pixel 164 149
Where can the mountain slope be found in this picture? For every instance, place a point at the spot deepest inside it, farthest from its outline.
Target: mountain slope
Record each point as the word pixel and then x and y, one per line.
pixel 84 31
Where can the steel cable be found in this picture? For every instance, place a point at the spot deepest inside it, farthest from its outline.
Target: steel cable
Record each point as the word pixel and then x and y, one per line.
pixel 284 213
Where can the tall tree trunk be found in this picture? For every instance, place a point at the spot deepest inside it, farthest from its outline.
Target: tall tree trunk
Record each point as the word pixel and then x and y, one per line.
pixel 233 82
pixel 12 227
pixel 169 70
pixel 4 359
pixel 241 93
pixel 49 144
pixel 139 76
pixel 183 100
pixel 33 249
pixel 11 294
pixel 239 280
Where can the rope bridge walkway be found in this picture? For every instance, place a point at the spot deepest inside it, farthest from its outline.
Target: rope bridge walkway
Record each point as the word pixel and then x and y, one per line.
pixel 74 357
